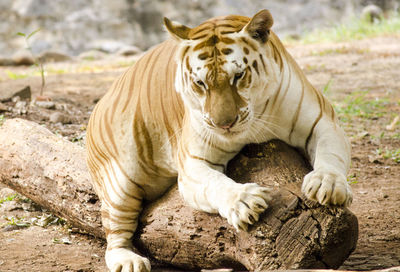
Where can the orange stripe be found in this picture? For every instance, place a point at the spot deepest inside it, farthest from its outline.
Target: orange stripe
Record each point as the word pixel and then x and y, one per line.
pixel 313 126
pixel 207 161
pixel 296 115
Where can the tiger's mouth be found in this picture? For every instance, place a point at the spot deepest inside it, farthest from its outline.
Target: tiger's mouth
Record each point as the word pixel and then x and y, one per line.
pixel 237 127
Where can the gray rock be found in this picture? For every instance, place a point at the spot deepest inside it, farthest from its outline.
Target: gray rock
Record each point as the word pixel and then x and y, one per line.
pixel 3 107
pixel 4 61
pixel 52 56
pixel 129 51
pixel 70 26
pixel 9 206
pixel 58 117
pixel 22 57
pixel 372 13
pixel 46 104
pixel 92 55
pixel 21 107
pixel 6 192
pixel 107 46
pixel 7 94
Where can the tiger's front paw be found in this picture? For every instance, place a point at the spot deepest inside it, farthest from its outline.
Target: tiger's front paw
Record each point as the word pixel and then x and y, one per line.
pixel 245 205
pixel 125 260
pixel 327 188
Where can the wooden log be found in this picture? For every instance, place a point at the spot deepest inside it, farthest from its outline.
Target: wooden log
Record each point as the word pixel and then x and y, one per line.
pixel 293 233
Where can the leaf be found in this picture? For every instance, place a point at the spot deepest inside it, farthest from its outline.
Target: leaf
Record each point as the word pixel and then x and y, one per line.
pixel 21 34
pixel 33 33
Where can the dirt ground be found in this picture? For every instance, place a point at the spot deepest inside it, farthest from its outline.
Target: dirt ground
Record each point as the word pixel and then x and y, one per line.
pixel 362 80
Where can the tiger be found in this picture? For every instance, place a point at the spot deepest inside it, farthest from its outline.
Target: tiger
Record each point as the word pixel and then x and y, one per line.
pixel 187 107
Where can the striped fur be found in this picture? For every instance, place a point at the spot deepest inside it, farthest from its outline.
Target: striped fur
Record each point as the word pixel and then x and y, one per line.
pixel 187 107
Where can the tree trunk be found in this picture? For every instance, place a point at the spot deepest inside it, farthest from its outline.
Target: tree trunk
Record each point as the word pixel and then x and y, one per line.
pixel 293 233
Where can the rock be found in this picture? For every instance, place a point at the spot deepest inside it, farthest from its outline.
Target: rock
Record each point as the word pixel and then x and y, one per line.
pixel 92 55
pixel 4 61
pixel 107 46
pixel 3 107
pixel 23 57
pixel 7 94
pixel 42 98
pixel 393 124
pixel 139 22
pixel 6 192
pixel 129 51
pixel 372 13
pixel 58 117
pixel 52 56
pixel 9 206
pixel 46 104
pixel 20 107
pixel 15 227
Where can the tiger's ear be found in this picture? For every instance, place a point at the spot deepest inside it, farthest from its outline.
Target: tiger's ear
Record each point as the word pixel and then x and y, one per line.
pixel 260 25
pixel 177 31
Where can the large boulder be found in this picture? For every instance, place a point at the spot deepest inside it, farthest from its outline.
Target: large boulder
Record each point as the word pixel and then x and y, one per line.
pixel 73 26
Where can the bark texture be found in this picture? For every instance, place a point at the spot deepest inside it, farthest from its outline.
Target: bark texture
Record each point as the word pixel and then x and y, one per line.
pixel 293 233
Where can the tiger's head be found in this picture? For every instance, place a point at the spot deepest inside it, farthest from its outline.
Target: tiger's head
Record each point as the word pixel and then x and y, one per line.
pixel 223 68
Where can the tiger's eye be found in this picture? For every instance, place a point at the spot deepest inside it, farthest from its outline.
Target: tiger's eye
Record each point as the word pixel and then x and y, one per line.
pixel 200 84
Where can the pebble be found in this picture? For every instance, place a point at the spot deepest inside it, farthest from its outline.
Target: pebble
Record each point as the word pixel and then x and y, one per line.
pixel 3 107
pixel 58 117
pixel 11 228
pixel 5 192
pixel 21 107
pixel 10 206
pixel 46 104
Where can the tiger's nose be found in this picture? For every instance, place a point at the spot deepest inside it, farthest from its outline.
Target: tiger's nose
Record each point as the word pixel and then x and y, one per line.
pixel 227 123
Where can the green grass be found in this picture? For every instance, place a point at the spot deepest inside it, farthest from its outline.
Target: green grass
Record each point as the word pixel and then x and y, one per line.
pixel 8 198
pixel 2 119
pixel 16 221
pixel 12 75
pixel 357 104
pixel 389 154
pixel 340 50
pixel 355 29
pixel 53 71
pixel 352 179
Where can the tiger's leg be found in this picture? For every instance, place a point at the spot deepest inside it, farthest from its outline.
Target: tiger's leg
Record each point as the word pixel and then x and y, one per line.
pixel 329 151
pixel 121 206
pixel 207 189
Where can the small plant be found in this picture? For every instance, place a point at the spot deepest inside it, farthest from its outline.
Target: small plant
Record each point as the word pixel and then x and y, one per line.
pixel 16 221
pixel 37 62
pixel 8 198
pixel 327 87
pixel 1 119
pixel 12 75
pixel 352 179
pixel 389 154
